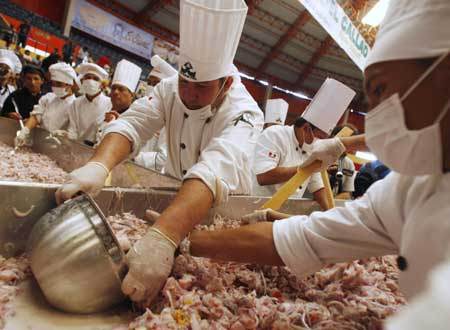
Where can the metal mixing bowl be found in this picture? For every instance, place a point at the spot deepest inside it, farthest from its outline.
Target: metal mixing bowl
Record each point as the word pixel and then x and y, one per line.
pixel 76 259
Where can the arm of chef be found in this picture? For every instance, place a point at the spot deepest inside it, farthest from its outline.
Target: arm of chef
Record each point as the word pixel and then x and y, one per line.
pixel 139 123
pixel 72 130
pixel 225 164
pixel 38 111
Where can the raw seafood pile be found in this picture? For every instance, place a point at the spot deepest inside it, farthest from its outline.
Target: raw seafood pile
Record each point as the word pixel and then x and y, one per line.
pixel 12 272
pixel 27 166
pixel 203 294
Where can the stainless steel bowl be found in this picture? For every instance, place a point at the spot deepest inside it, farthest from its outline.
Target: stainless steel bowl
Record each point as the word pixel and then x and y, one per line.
pixel 76 259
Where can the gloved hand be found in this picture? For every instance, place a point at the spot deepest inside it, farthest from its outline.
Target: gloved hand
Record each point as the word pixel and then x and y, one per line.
pixel 327 151
pixel 151 216
pixel 60 133
pixel 262 216
pixel 89 179
pixel 150 262
pixel 23 137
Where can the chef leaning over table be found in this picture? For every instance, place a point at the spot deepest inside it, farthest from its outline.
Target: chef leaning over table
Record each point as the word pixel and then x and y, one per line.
pixel 52 111
pixel 407 82
pixel 211 122
pixel 9 65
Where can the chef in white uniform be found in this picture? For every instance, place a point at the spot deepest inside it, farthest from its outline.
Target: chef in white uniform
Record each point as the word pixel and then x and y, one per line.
pixel 52 111
pixel 407 213
pixel 153 154
pixel 212 124
pixel 9 66
pixel 123 87
pixel 276 112
pixel 88 111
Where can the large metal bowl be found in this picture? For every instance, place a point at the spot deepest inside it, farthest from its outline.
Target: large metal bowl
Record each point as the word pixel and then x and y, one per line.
pixel 76 259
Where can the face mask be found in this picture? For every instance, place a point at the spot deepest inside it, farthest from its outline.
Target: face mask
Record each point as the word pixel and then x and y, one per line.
pixel 149 90
pixel 59 91
pixel 91 87
pixel 409 152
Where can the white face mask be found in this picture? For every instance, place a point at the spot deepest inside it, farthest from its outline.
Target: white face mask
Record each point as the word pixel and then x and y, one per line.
pixel 409 152
pixel 59 91
pixel 149 90
pixel 91 87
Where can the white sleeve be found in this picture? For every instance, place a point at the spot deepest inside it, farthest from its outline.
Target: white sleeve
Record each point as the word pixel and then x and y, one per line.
pixel 352 232
pixel 141 121
pixel 225 164
pixel 430 309
pixel 39 109
pixel 267 152
pixel 348 184
pixel 72 128
pixel 315 183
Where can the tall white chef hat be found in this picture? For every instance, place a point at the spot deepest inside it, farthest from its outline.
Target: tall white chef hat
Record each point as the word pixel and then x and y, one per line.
pixel 161 69
pixel 62 72
pixel 86 68
pixel 210 31
pixel 127 74
pixel 328 105
pixel 412 29
pixel 9 58
pixel 276 111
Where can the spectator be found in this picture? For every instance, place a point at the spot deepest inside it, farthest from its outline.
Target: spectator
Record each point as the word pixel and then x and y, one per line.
pixel 368 174
pixel 27 97
pixel 37 60
pixel 24 30
pixel 104 61
pixel 27 56
pixel 46 63
pixel 67 52
pixel 83 55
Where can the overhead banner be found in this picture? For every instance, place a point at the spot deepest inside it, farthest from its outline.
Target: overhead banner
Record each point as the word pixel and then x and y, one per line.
pixel 335 21
pixel 103 25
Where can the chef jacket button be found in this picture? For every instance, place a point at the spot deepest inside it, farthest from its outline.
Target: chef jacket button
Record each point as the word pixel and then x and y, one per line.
pixel 303 152
pixel 183 146
pixel 208 120
pixel 186 115
pixel 184 172
pixel 402 263
pixel 296 149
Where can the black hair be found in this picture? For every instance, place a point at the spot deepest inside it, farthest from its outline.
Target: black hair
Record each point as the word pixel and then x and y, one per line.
pixel 32 69
pixel 300 121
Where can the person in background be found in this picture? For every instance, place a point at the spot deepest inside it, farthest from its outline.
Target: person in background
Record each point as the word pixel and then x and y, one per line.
pixel 52 111
pixel 212 123
pixel 9 64
pixel 123 86
pixel 46 63
pixel 276 112
pixel 83 54
pixel 67 52
pixel 367 175
pixel 104 62
pixel 88 111
pixel 407 83
pixel 153 154
pixel 342 174
pixel 37 60
pixel 26 97
pixel 27 57
pixel 22 34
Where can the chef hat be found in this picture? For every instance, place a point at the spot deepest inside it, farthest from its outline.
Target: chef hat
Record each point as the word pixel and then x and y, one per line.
pixel 412 29
pixel 86 68
pixel 127 74
pixel 62 72
pixel 276 111
pixel 9 58
pixel 328 105
pixel 161 69
pixel 209 36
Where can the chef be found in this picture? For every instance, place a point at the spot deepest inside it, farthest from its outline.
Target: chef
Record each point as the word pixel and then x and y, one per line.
pixel 276 112
pixel 52 111
pixel 123 87
pixel 88 110
pixel 153 154
pixel 407 213
pixel 212 124
pixel 9 64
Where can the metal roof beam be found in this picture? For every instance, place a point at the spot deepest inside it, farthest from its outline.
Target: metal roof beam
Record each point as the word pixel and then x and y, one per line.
pixel 252 4
pixel 301 20
pixel 151 8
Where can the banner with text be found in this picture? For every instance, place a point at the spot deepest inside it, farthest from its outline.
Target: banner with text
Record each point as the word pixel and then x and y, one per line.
pixel 110 28
pixel 335 21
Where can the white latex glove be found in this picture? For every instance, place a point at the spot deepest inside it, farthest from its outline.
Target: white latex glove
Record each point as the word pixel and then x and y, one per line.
pixel 89 179
pixel 327 151
pixel 60 133
pixel 22 137
pixel 150 262
pixel 151 216
pixel 255 217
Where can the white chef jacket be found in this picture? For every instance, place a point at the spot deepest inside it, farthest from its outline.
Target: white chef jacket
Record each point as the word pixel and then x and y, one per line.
pixel 153 154
pixel 4 93
pixel 277 146
pixel 213 146
pixel 52 112
pixel 85 117
pixel 404 215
